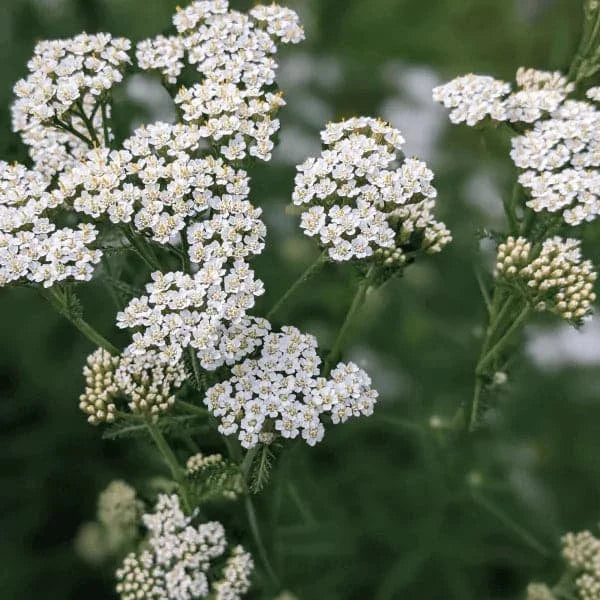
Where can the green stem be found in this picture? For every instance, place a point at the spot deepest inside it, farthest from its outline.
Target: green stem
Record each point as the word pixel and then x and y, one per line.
pixel 507 520
pixel 475 403
pixel 87 122
pixel 64 125
pixel 357 302
pixel 501 343
pixel 311 270
pixel 105 127
pixel 58 303
pixel 139 246
pixel 509 209
pixel 258 541
pixel 169 457
pixel 192 408
pixel 247 462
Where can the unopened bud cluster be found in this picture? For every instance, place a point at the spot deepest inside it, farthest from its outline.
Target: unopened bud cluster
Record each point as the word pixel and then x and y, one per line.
pixel 582 553
pixel 557 280
pixel 366 201
pixel 98 399
pixel 199 461
pixel 145 383
pixel 116 527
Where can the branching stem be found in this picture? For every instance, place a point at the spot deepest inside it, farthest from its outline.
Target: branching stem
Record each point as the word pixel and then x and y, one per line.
pixel 58 302
pixel 169 457
pixel 357 302
pixel 311 270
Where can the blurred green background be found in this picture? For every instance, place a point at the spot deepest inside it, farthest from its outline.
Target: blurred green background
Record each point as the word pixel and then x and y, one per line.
pixel 383 509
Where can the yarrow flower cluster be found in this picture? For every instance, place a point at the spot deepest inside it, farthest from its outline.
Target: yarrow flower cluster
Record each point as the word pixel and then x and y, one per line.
pixel 63 72
pixel 179 559
pixel 234 53
pixel 366 200
pixel 146 381
pixel 205 311
pixel 32 248
pixel 558 280
pixel 560 158
pixel 159 185
pixel 559 155
pixel 472 98
pixel 582 553
pixel 280 392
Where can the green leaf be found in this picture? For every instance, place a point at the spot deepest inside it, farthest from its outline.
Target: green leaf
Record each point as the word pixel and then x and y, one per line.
pixel 259 472
pixel 218 480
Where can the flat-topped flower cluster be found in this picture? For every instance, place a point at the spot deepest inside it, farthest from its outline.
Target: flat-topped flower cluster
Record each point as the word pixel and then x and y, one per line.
pixel 179 560
pixel 205 311
pixel 282 393
pixel 32 248
pixel 162 186
pixel 559 151
pixel 366 201
pixel 234 53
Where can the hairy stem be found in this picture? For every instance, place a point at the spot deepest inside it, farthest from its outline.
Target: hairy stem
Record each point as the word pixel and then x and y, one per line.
pixel 311 270
pixel 169 457
pixel 507 520
pixel 491 354
pixel 58 302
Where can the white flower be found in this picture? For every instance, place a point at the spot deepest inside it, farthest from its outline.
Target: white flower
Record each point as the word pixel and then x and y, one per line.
pixel 31 247
pixel 159 183
pixel 205 311
pixel 180 558
pixel 63 71
pixel 560 157
pixel 281 392
pixel 234 53
pixel 362 205
pixel 472 98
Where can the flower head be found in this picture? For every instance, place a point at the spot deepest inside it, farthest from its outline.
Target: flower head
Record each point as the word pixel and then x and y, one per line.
pixel 32 248
pixel 179 560
pixel 64 72
pixel 205 311
pixel 280 392
pixel 366 201
pixel 160 185
pixel 232 104
pixel 472 98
